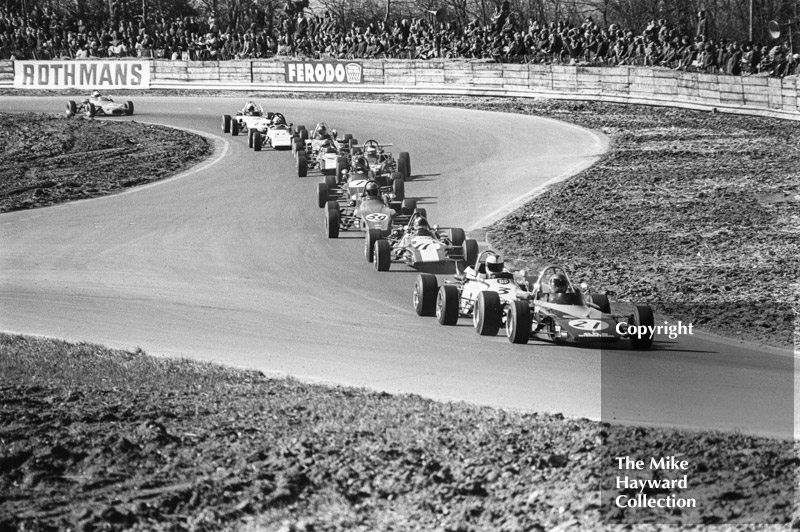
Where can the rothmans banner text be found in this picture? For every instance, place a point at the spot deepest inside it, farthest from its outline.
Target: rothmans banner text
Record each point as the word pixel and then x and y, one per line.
pixel 82 74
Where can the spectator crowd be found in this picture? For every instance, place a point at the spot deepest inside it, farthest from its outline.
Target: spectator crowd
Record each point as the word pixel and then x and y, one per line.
pixel 41 34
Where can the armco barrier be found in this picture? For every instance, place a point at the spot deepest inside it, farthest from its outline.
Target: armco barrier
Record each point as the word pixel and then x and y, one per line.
pixel 657 86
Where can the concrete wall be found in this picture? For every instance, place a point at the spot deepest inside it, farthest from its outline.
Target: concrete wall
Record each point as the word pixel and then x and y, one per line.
pixel 659 86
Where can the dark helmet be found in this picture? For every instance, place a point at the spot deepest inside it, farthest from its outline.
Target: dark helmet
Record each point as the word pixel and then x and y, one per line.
pixel 95 93
pixel 322 130
pixel 558 283
pixel 361 165
pixel 278 120
pixel 371 189
pixel 422 227
pixel 494 264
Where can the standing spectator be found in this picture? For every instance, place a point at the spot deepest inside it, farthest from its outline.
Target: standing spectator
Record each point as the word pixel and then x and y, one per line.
pixel 702 25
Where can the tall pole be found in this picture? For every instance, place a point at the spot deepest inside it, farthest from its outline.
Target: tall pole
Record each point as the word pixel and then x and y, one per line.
pixel 751 20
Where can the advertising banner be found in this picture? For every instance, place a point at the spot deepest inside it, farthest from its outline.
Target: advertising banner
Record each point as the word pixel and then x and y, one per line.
pixel 324 72
pixel 82 74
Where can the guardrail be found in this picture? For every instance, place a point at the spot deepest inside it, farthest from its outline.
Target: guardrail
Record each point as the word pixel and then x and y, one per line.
pixel 658 86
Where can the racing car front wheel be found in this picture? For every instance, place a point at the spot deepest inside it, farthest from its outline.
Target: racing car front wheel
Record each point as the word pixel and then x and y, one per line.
pixel 399 189
pixel 404 164
pixel 226 123
pixel 302 166
pixel 470 251
pixel 486 315
pixel 371 236
pixel 642 316
pixel 322 194
pixel 518 322
pixel 129 108
pixel 234 128
pixel 257 142
pixel 90 110
pixel 332 223
pixel 383 255
pixel 447 302
pixel 72 108
pixel 425 293
pixel 250 137
pixel 408 206
pixel 457 236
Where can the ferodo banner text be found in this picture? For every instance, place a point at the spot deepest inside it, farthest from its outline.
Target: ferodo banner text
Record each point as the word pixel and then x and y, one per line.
pixel 324 72
pixel 82 74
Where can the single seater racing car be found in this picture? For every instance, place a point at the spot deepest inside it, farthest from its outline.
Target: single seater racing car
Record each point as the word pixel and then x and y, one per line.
pixel 380 161
pixel 418 244
pixel 97 104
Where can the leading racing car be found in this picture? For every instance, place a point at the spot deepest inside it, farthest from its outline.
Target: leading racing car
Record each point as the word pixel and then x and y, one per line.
pixel 559 311
pixel 97 104
pixel 418 244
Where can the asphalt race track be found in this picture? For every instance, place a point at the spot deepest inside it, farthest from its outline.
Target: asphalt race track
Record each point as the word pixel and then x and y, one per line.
pixel 229 263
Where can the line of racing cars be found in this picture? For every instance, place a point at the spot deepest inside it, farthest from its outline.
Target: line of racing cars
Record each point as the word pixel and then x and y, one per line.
pixel 363 189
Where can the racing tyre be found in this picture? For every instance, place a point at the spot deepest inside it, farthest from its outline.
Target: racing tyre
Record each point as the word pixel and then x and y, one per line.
pixel 226 123
pixel 518 322
pixel 470 251
pixel 330 181
pixel 408 206
pixel 90 110
pixel 129 108
pixel 371 236
pixel 303 133
pixel 72 108
pixel 380 180
pixel 347 137
pixel 642 316
pixel 601 300
pixel 332 223
pixel 353 142
pixel 234 128
pixel 322 194
pixel 257 143
pixel 404 164
pixel 425 293
pixel 486 314
pixel 250 133
pixel 423 212
pixel 457 236
pixel 399 189
pixel 396 176
pixel 302 166
pixel 297 145
pixel 383 255
pixel 447 303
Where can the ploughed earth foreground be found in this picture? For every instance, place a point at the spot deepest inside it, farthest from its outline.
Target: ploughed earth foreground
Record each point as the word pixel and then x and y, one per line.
pixel 96 439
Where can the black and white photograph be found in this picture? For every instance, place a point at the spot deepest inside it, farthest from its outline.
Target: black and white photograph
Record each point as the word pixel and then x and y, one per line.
pixel 399 265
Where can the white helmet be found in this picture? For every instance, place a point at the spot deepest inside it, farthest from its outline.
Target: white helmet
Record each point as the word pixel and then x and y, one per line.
pixel 95 93
pixel 494 264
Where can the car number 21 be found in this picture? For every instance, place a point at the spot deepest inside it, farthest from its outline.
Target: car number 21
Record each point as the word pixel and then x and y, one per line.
pixel 588 325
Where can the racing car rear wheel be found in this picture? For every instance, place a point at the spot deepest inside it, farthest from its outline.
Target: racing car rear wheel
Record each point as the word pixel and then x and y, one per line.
pixel 129 108
pixel 447 302
pixel 330 181
pixel 642 316
pixel 518 322
pixel 297 145
pixel 408 207
pixel 90 110
pixel 303 133
pixel 332 223
pixel 486 315
pixel 234 128
pixel 425 293
pixel 396 175
pixel 353 142
pixel 457 236
pixel 257 142
pixel 371 236
pixel 302 166
pixel 250 137
pixel 471 251
pixel 347 137
pixel 226 123
pixel 72 108
pixel 601 300
pixel 322 194
pixel 399 189
pixel 404 164
pixel 383 255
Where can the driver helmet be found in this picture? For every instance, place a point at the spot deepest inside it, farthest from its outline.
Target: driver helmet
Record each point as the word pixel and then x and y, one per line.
pixel 422 227
pixel 361 165
pixel 494 264
pixel 322 130
pixel 95 93
pixel 558 283
pixel 371 189
pixel 277 120
pixel 371 151
pixel 250 108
